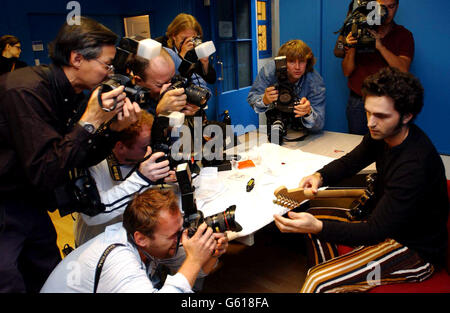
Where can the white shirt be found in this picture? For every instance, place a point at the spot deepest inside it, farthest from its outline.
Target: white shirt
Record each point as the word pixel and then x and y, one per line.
pixel 123 269
pixel 115 195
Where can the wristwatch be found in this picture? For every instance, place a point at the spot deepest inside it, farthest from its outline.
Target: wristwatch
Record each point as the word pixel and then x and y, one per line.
pixel 87 126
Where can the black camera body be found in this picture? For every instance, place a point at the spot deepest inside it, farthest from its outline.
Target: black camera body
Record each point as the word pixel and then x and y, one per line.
pixel 191 55
pixel 126 48
pixel 366 15
pixel 196 95
pixel 282 114
pixel 80 194
pixel 193 218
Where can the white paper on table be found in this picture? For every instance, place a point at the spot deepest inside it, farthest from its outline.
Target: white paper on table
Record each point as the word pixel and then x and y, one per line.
pixel 279 166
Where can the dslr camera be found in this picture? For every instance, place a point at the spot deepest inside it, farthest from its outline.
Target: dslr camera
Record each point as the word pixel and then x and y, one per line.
pixel 193 218
pixel 366 15
pixel 196 95
pixel 201 50
pixel 79 195
pixel 282 114
pixel 146 48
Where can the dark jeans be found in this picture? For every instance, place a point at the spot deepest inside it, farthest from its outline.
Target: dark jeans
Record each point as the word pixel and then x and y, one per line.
pixel 356 115
pixel 28 250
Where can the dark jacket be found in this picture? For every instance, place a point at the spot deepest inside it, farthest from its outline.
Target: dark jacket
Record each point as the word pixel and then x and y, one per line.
pixel 39 137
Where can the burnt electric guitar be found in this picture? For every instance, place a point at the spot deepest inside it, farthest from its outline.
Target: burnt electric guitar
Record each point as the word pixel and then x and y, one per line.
pixel 360 208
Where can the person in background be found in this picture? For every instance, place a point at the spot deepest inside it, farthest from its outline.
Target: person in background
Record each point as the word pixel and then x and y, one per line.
pixel 394 47
pixel 179 41
pixel 10 49
pixel 307 83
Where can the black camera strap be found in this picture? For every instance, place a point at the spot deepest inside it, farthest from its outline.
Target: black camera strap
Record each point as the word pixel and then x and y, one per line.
pixel 101 262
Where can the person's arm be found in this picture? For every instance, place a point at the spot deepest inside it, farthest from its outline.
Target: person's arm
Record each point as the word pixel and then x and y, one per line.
pixel 401 62
pixel 315 119
pixel 117 197
pixel 264 79
pixel 348 63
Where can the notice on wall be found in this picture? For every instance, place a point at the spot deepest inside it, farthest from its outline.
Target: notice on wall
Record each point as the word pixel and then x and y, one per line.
pixel 37 45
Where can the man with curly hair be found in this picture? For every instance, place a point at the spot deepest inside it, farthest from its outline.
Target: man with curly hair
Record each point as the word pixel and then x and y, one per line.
pixel 404 238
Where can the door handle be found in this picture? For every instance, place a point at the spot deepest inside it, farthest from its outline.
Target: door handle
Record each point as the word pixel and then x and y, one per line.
pixel 221 70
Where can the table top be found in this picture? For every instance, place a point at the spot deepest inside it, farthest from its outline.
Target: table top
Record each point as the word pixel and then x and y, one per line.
pixel 274 166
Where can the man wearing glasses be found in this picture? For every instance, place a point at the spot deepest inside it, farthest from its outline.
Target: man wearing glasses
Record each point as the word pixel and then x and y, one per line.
pixel 48 127
pixel 150 234
pixel 394 47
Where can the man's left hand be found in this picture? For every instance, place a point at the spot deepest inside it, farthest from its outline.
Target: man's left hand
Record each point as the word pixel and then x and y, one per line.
pixel 129 115
pixel 302 109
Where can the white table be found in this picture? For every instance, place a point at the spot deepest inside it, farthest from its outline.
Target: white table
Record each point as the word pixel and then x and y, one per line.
pixel 275 166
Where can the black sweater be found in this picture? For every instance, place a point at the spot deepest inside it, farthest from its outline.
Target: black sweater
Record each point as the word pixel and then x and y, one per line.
pixel 411 191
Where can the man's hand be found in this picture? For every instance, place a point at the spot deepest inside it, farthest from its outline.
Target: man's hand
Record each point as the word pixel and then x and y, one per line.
pixel 303 223
pixel 312 182
pixel 350 40
pixel 270 95
pixel 95 115
pixel 155 171
pixel 201 246
pixel 222 244
pixel 127 116
pixel 302 109
pixel 173 101
pixel 186 46
pixel 190 109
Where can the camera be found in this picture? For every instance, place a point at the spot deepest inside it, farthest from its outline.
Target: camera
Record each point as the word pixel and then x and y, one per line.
pixel 80 194
pixel 193 218
pixel 146 48
pixel 366 15
pixel 282 114
pixel 201 50
pixel 195 94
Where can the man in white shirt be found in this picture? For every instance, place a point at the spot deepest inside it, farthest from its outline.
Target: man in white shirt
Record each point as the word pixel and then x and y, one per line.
pixel 151 231
pixel 118 180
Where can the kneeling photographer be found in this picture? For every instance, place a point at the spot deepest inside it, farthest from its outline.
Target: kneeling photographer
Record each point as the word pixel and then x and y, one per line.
pixel 290 91
pixel 48 127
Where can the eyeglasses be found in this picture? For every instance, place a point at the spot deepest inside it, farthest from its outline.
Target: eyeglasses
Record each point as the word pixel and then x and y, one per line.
pixel 18 47
pixel 109 67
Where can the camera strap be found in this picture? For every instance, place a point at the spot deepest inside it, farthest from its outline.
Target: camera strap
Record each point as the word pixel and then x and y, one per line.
pixel 101 262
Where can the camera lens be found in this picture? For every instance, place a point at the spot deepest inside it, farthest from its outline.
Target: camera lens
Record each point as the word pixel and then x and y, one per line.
pixel 224 221
pixel 197 95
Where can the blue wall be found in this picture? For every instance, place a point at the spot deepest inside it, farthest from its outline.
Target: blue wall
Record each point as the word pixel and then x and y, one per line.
pixel 315 22
pixel 41 20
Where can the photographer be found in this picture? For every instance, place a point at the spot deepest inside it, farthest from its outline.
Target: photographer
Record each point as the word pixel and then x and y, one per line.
pixel 48 128
pixel 151 232
pixel 121 175
pixel 179 40
pixel 306 84
pixel 156 76
pixel 394 46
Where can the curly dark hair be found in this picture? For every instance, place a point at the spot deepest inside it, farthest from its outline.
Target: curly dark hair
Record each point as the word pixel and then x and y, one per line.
pixel 404 88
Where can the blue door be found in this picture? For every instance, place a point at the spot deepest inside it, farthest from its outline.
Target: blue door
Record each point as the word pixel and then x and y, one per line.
pixel 234 35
